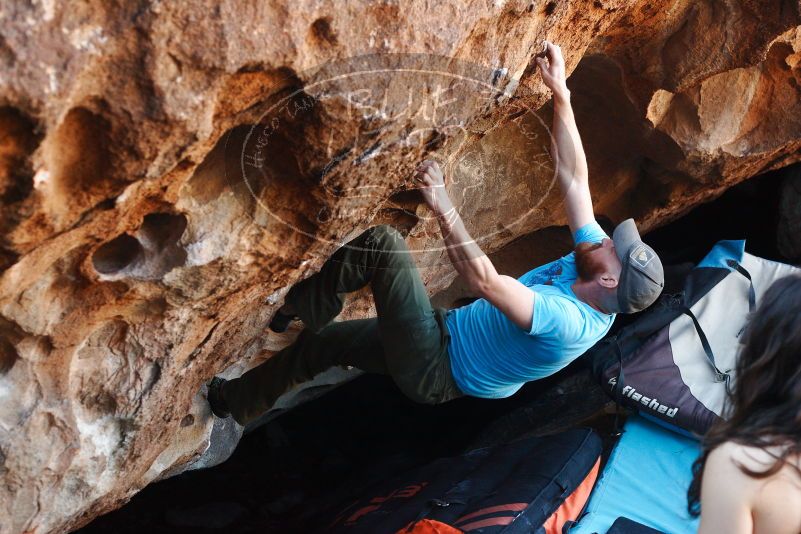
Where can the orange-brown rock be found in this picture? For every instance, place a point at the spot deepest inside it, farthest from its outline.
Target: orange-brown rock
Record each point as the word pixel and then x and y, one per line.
pixel 167 169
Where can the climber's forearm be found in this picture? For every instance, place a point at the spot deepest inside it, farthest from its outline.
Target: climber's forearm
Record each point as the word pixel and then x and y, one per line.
pixel 467 257
pixel 508 294
pixel 571 162
pixel 566 148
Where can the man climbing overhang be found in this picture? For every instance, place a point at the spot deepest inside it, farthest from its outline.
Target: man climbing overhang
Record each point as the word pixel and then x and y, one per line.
pixel 518 330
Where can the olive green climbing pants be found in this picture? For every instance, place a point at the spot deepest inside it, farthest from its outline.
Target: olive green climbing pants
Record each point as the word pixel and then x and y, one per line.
pixel 408 340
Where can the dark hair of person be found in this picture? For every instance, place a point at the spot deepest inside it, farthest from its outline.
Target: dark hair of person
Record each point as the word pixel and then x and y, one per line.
pixel 764 406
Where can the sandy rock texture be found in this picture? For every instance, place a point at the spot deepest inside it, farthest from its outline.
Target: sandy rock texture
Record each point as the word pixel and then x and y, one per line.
pixel 168 169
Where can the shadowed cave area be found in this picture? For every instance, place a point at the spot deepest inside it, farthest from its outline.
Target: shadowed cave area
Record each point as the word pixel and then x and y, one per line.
pixel 299 470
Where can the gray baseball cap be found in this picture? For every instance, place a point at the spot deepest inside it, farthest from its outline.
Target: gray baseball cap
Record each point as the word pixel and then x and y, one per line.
pixel 642 278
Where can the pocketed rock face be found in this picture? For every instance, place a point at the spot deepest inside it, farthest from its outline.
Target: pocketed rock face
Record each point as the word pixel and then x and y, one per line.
pixel 149 229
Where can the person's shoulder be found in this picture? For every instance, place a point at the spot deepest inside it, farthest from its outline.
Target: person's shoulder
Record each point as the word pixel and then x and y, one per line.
pixel 768 497
pixel 728 460
pixel 723 480
pixel 590 233
pixel 753 458
pixel 727 456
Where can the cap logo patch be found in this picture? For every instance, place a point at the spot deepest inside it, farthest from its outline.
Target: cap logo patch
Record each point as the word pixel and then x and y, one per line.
pixel 641 256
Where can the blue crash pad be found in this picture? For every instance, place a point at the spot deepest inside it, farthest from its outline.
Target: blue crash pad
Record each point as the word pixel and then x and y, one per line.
pixel 646 480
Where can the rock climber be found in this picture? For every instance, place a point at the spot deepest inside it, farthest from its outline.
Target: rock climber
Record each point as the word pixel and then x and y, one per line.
pixel 518 330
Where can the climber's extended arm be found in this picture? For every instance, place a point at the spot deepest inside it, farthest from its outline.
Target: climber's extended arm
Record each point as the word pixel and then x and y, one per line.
pixel 566 147
pixel 510 296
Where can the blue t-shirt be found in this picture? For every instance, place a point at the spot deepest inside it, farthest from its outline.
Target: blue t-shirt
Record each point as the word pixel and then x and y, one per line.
pixel 492 357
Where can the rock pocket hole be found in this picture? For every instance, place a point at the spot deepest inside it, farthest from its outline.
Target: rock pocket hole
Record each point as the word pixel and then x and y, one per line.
pixel 162 230
pixel 322 33
pixel 78 159
pixel 117 255
pixel 153 250
pixel 160 236
pixel 8 355
pixel 7 258
pixel 18 139
pixel 400 210
pixel 406 200
pixel 80 156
